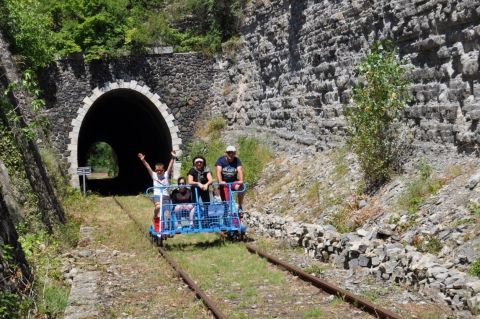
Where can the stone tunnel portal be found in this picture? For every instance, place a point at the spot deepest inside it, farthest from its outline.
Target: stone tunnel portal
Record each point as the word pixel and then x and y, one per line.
pixel 130 123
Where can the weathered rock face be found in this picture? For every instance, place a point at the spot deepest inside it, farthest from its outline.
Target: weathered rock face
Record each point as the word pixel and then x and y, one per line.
pixel 12 258
pixel 294 71
pixel 49 206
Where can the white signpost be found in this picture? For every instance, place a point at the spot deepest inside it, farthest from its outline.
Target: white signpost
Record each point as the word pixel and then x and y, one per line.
pixel 84 171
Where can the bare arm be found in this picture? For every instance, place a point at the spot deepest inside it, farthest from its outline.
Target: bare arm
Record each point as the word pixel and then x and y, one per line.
pixel 209 178
pixel 147 166
pixel 209 181
pixel 240 174
pixel 190 180
pixel 219 173
pixel 170 164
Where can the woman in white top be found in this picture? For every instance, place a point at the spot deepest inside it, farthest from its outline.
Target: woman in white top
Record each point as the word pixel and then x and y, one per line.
pixel 160 178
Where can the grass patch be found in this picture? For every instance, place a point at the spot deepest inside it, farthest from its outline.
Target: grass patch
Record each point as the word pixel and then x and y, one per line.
pixel 342 219
pixel 43 252
pixel 254 155
pixel 339 221
pixel 150 286
pixel 315 313
pixel 54 300
pixel 339 158
pixel 475 268
pixel 428 244
pixel 223 265
pixel 211 129
pixel 313 193
pixel 372 295
pixel 420 189
pixel 315 269
pixel 336 301
pixel 474 209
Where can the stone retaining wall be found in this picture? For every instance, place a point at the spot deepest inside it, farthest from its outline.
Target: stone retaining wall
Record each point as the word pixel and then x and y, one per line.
pixel 294 70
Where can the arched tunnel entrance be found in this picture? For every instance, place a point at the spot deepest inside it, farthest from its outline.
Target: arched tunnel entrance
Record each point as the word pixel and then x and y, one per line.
pixel 130 123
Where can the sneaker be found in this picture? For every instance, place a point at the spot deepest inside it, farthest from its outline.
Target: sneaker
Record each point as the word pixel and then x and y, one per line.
pixel 240 212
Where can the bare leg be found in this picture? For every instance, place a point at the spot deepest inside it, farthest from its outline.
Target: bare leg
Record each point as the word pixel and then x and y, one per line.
pixel 168 221
pixel 156 209
pixel 192 212
pixel 240 200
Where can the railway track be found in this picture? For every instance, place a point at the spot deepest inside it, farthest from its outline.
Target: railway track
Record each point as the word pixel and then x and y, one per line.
pixel 361 303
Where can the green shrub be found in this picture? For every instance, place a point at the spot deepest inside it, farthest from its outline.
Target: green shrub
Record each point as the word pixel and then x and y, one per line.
pixel 43 252
pixel 252 152
pixel 254 155
pixel 41 30
pixel 53 300
pixel 475 268
pixel 429 244
pixel 102 158
pixel 474 209
pixel 378 100
pixel 9 305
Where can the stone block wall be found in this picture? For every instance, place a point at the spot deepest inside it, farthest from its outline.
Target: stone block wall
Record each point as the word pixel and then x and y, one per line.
pixel 294 69
pixel 182 81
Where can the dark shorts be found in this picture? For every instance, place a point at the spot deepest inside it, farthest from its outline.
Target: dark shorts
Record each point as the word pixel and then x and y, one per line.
pixel 156 199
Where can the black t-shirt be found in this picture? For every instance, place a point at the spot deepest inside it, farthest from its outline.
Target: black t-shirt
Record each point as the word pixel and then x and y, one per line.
pixel 179 198
pixel 199 176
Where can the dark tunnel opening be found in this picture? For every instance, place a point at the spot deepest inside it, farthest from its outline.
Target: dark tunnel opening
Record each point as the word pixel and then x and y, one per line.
pixel 129 123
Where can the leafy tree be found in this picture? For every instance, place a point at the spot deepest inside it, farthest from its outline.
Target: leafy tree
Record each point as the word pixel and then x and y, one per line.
pixel 42 29
pixel 102 158
pixel 29 28
pixel 379 98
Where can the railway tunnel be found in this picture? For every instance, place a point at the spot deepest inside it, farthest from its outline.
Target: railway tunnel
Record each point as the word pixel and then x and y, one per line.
pixel 129 123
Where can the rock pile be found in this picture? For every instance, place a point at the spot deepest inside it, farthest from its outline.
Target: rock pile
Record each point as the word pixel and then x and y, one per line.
pixel 378 250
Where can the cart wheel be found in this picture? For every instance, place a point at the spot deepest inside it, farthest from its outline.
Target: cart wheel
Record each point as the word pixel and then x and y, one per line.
pixel 159 241
pixel 152 238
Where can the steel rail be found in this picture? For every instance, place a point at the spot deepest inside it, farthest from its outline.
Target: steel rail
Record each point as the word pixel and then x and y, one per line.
pixel 357 301
pixel 189 281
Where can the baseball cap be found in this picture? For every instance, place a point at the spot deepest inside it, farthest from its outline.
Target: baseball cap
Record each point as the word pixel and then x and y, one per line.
pixel 231 148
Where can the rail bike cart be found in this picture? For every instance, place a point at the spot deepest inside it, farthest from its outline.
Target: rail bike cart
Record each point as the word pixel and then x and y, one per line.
pixel 215 216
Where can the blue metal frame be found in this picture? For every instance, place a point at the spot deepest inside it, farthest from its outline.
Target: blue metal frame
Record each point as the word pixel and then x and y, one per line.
pixel 211 217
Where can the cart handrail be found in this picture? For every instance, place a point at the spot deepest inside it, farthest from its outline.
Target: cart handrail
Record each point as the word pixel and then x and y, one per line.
pixel 149 191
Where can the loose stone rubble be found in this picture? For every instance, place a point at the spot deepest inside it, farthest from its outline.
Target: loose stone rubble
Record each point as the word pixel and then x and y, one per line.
pixel 381 253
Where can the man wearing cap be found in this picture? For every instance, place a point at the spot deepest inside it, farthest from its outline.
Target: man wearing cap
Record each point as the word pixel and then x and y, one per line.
pixel 229 170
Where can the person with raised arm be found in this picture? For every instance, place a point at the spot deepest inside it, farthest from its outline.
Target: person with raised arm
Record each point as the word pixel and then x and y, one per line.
pixel 160 177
